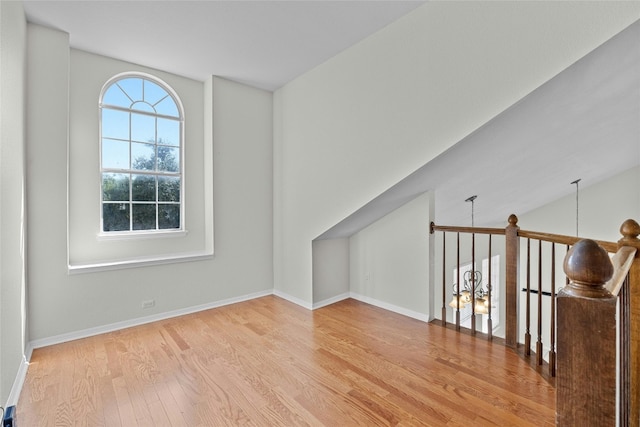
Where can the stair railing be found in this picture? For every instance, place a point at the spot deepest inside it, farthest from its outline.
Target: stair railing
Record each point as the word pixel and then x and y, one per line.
pixel 624 288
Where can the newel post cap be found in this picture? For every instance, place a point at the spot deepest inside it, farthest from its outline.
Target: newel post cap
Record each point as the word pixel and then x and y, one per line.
pixel 513 220
pixel 630 230
pixel 589 267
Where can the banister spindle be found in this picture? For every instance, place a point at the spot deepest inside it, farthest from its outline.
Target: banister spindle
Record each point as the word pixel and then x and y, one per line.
pixel 586 360
pixel 527 315
pixel 539 342
pixel 489 284
pixel 444 279
pixel 630 231
pixel 458 281
pixel 473 283
pixel 552 339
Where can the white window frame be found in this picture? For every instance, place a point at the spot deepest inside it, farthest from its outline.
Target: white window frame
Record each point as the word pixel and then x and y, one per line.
pixel 150 233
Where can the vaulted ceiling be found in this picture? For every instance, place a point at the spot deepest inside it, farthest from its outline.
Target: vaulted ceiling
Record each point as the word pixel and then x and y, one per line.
pixel 585 123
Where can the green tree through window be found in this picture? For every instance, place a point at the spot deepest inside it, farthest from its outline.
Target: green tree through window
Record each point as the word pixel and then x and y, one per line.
pixel 141 147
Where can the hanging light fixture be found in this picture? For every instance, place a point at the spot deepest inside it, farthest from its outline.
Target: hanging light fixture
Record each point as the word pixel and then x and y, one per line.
pixel 576 182
pixel 472 284
pixel 471 199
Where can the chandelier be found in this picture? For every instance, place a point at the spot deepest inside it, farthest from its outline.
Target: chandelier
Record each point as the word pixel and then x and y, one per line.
pixel 472 284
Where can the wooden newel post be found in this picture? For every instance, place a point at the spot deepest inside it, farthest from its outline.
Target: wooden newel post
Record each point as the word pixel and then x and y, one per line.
pixel 512 255
pixel 586 318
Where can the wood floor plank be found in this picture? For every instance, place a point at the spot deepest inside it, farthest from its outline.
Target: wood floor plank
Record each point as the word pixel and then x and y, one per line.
pixel 268 362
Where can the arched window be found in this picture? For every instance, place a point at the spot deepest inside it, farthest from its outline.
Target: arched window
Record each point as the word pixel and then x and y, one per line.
pixel 141 143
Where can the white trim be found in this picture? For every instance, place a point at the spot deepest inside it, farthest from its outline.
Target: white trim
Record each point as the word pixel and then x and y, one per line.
pixel 146 234
pixel 71 336
pixel 293 299
pixel 21 376
pixel 139 262
pixel 330 301
pixel 390 307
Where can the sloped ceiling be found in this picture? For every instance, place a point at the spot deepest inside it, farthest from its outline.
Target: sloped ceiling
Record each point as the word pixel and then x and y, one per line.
pixel 584 123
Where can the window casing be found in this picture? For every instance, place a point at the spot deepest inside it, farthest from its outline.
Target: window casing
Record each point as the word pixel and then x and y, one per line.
pixel 141 156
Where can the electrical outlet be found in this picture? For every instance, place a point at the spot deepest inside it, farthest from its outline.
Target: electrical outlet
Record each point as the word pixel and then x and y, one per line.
pixel 148 303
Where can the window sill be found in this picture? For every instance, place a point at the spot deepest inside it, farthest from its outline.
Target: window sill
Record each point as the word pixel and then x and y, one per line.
pixel 116 235
pixel 138 262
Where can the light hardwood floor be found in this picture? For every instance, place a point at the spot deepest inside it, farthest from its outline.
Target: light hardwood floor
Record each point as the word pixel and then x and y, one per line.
pixel 268 362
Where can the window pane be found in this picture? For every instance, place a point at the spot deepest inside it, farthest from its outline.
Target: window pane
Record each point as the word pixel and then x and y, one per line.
pixel 115 96
pixel 115 154
pixel 143 188
pixel 143 106
pixel 168 216
pixel 144 216
pixel 168 189
pixel 153 93
pixel 144 156
pixel 168 132
pixel 167 107
pixel 168 159
pixel 115 187
pixel 133 87
pixel 141 148
pixel 115 217
pixel 115 124
pixel 143 128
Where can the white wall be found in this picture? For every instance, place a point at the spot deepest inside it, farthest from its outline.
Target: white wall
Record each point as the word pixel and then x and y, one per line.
pixel 330 270
pixel 389 260
pixel 603 207
pixel 12 173
pixel 356 125
pixel 60 303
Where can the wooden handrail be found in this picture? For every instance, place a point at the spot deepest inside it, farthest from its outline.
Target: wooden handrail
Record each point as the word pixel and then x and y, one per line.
pixel 611 247
pixel 565 240
pixel 622 262
pixel 470 230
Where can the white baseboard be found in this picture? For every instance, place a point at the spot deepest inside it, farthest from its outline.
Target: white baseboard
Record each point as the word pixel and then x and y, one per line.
pixel 16 388
pixel 57 339
pixel 385 305
pixel 330 301
pixel 293 299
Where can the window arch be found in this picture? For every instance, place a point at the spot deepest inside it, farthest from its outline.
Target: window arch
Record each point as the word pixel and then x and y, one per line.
pixel 141 155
